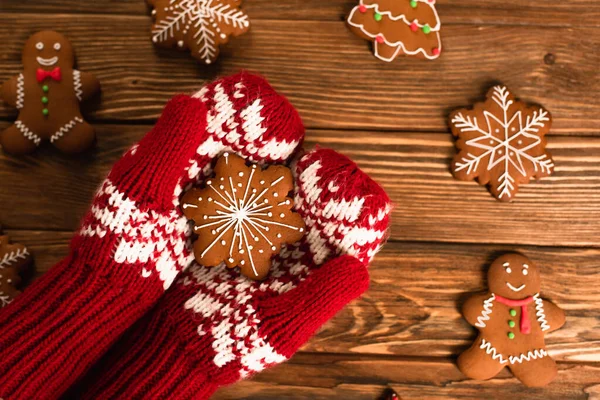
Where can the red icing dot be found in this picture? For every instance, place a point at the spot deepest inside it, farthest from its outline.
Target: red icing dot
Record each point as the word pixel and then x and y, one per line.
pixel 414 27
pixel 436 51
pixel 362 8
pixel 379 39
pixel 432 1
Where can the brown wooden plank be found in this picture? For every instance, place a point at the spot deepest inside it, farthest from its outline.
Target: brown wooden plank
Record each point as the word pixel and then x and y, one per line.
pixel 326 377
pixel 541 12
pixel 50 191
pixel 412 306
pixel 330 75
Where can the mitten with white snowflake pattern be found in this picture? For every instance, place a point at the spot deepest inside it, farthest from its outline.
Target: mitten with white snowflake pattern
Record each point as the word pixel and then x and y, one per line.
pixel 134 240
pixel 214 326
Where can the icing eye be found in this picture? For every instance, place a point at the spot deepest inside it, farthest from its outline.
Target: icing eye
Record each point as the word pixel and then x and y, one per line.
pixel 39 45
pixel 56 46
pixel 525 272
pixel 508 270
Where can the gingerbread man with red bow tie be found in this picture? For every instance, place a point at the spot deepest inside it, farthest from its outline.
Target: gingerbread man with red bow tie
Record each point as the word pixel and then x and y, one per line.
pixel 47 94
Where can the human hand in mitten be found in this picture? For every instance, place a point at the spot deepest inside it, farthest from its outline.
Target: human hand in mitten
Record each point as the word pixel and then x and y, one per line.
pixel 215 326
pixel 134 240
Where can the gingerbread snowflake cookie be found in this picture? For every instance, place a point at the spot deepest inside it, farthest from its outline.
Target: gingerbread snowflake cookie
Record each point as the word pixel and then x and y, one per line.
pixel 47 94
pixel 243 216
pixel 512 320
pixel 502 143
pixel 398 27
pixel 199 25
pixel 14 258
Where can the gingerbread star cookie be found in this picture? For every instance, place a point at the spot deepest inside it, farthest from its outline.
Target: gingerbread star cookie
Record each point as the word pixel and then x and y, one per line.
pixel 14 258
pixel 501 143
pixel 243 216
pixel 199 25
pixel 512 319
pixel 398 27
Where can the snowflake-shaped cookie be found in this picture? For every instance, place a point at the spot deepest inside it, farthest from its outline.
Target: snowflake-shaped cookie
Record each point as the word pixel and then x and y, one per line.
pixel 243 216
pixel 14 258
pixel 198 25
pixel 501 143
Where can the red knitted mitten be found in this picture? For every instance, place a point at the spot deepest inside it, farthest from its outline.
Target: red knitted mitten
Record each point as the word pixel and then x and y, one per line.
pixel 134 240
pixel 214 326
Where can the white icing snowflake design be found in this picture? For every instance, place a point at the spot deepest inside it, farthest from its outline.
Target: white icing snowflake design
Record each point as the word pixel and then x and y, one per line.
pixel 200 25
pixel 507 149
pixel 243 216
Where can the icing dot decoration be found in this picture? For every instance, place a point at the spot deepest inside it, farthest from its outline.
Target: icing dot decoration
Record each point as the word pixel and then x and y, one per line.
pixel 249 227
pixel 377 17
pixel 362 8
pixel 45 112
pixel 426 29
pixel 511 335
pixel 511 324
pixel 513 313
pixel 413 3
pixel 414 27
pixel 45 88
pixel 380 39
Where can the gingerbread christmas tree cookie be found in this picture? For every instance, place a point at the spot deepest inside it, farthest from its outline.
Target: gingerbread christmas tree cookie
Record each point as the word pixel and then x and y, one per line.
pixel 501 143
pixel 14 258
pixel 47 94
pixel 512 319
pixel 243 216
pixel 398 27
pixel 199 25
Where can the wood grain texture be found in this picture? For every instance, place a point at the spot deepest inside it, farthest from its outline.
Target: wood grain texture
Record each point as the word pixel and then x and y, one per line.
pixel 325 377
pixel 412 306
pixel 430 205
pixel 406 332
pixel 540 12
pixel 330 75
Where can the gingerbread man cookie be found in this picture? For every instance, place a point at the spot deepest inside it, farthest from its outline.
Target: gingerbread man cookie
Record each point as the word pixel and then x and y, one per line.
pixel 14 258
pixel 243 216
pixel 502 143
pixel 512 319
pixel 47 94
pixel 199 25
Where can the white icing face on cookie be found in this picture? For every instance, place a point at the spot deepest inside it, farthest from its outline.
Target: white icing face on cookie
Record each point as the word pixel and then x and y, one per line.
pixel 513 276
pixel 48 50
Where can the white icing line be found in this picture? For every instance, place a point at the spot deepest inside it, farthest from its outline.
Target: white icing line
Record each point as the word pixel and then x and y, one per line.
pixel 27 133
pixel 485 313
pixel 65 129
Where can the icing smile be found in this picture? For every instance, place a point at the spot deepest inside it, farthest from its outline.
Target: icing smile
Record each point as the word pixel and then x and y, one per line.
pixel 515 289
pixel 47 62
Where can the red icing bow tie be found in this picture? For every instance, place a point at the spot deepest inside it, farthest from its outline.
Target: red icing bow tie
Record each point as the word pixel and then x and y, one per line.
pixel 42 75
pixel 525 324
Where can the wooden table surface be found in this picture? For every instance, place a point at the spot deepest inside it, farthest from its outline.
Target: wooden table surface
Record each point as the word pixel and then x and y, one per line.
pixel 406 332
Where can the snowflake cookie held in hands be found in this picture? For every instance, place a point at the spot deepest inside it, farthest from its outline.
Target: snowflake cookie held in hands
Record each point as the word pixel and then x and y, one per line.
pixel 14 258
pixel 199 25
pixel 512 319
pixel 502 143
pixel 243 216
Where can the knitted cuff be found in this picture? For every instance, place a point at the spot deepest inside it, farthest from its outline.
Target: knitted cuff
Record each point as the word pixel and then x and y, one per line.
pixel 289 320
pixel 57 328
pixel 149 362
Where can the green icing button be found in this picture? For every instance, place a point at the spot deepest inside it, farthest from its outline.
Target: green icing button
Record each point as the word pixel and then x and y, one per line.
pixel 511 324
pixel 45 88
pixel 513 312
pixel 45 111
pixel 45 100
pixel 426 29
pixel 377 17
pixel 413 4
pixel 511 335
